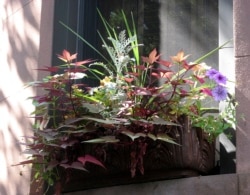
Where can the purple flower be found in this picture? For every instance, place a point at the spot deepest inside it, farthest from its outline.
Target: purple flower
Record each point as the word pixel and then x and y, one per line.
pixel 219 93
pixel 211 73
pixel 216 76
pixel 219 78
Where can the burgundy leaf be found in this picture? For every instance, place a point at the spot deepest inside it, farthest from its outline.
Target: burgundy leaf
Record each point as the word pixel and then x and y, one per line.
pixel 164 63
pixel 200 79
pixel 67 144
pixel 153 57
pixel 186 66
pixel 133 163
pixel 207 91
pixel 142 91
pixel 37 146
pixel 66 56
pixel 128 80
pixel 41 98
pixel 25 162
pixel 140 67
pixel 49 68
pixel 83 62
pixel 91 159
pixel 157 75
pixel 180 57
pixel 75 70
pixel 163 74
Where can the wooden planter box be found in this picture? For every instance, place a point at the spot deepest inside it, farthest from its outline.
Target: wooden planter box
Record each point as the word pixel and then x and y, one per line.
pixel 195 156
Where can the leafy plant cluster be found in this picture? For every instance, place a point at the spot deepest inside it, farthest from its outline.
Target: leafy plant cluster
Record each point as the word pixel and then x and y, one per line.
pixel 138 99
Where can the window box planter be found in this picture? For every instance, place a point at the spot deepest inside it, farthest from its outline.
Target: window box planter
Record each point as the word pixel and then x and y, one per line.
pixel 194 156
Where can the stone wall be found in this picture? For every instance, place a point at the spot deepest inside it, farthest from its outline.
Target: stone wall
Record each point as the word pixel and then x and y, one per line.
pixel 242 67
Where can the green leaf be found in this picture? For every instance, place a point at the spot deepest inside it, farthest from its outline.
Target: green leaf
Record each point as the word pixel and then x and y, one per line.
pixel 49 136
pixel 67 126
pixel 152 136
pixel 78 131
pixel 73 120
pixel 93 108
pixel 161 121
pixel 36 175
pixel 103 121
pixel 32 152
pixel 84 40
pixel 104 139
pixel 163 137
pixel 74 165
pixel 131 33
pixel 132 135
pixel 156 121
pixel 50 181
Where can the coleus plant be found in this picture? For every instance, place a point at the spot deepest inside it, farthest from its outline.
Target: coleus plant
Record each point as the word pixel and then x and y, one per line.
pixel 138 98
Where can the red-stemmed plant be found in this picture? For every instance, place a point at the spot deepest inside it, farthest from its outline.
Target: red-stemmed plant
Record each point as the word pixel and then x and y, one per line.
pixel 136 101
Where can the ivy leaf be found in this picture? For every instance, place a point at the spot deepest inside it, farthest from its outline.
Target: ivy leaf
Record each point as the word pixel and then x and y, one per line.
pixel 67 126
pixel 161 121
pixel 105 139
pixel 49 136
pixel 152 136
pixel 68 144
pixel 163 137
pixel 35 152
pixel 74 165
pixel 103 121
pixel 132 135
pixel 78 131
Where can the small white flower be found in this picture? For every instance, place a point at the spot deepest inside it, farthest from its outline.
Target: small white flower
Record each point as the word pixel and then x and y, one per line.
pixel 93 90
pixel 110 85
pixel 205 66
pixel 76 75
pixel 57 75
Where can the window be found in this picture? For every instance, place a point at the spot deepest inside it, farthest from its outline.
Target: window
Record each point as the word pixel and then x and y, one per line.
pixel 83 18
pixel 171 25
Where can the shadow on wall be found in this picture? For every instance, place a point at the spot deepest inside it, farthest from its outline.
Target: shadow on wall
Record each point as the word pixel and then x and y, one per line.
pixel 19 54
